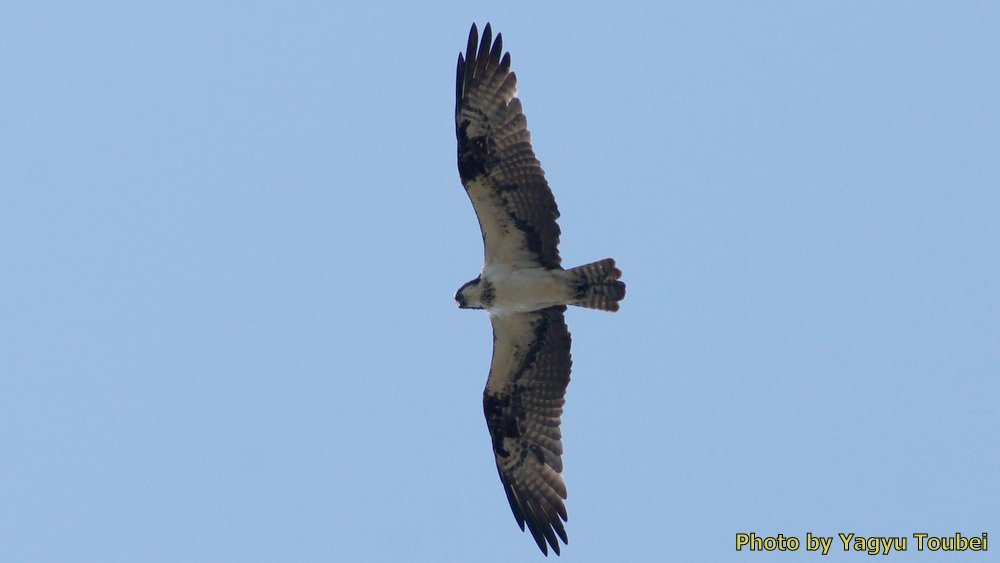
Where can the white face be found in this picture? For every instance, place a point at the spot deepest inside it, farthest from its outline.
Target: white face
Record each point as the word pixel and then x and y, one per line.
pixel 469 295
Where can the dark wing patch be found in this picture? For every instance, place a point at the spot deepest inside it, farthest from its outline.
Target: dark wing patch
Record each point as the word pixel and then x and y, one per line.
pixel 517 212
pixel 523 402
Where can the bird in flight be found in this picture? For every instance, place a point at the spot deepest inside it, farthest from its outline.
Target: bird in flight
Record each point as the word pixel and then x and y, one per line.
pixel 522 286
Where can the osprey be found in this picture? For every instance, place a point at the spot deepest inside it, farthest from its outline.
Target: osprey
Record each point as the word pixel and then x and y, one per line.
pixel 522 286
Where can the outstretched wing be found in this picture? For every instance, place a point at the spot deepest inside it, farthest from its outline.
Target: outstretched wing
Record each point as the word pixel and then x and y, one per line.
pixel 506 183
pixel 523 401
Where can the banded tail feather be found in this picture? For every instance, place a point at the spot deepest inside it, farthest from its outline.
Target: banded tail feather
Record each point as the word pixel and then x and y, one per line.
pixel 598 286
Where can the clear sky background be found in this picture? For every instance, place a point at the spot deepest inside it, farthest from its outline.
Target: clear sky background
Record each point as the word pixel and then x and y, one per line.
pixel 230 237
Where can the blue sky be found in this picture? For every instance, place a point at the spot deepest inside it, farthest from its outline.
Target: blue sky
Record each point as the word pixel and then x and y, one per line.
pixel 230 236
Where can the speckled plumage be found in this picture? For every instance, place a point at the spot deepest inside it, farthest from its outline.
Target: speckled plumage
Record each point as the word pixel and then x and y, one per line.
pixel 523 287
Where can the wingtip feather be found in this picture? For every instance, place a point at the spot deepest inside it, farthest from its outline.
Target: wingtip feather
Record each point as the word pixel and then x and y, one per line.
pixel 470 47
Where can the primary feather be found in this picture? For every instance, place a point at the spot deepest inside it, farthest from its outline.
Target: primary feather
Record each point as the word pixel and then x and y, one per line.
pixel 523 287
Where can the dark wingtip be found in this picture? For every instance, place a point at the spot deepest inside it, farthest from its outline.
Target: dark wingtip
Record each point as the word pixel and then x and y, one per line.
pixel 470 47
pixel 458 80
pixel 539 540
pixel 483 56
pixel 485 40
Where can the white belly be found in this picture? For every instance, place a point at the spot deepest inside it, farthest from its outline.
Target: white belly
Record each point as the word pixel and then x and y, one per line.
pixel 522 291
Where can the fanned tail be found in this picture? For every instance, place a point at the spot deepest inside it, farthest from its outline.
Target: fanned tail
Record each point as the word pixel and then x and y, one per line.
pixel 598 286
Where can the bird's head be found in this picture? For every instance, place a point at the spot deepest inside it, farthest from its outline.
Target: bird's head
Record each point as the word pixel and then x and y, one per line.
pixel 474 295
